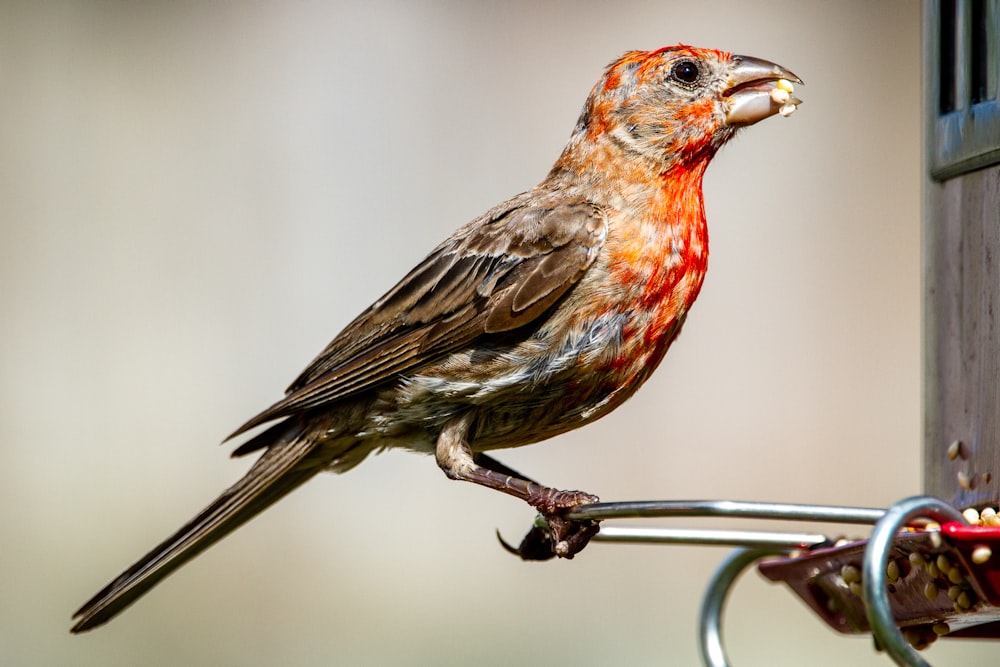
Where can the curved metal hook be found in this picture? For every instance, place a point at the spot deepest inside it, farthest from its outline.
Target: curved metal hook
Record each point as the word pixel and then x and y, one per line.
pixel 713 653
pixel 874 578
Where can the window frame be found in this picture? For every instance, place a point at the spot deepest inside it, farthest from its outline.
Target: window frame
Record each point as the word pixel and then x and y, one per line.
pixel 968 137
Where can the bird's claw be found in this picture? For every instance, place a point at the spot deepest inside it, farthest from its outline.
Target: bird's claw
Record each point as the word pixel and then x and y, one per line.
pixel 536 545
pixel 570 537
pixel 552 533
pixel 553 502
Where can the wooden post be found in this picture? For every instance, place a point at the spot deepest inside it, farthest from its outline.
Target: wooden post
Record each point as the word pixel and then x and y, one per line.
pixel 962 253
pixel 962 339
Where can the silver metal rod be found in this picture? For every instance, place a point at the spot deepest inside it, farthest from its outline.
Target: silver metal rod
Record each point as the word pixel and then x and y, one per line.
pixel 639 509
pixel 774 541
pixel 713 652
pixel 874 578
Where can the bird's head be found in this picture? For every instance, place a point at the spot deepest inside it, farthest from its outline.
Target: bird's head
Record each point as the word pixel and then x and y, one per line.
pixel 681 103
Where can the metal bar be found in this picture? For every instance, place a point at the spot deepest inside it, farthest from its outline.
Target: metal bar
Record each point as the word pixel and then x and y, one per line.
pixel 713 653
pixel 639 509
pixel 775 542
pixel 874 578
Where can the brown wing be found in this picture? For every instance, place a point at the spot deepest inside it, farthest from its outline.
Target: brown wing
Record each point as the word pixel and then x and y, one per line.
pixel 496 274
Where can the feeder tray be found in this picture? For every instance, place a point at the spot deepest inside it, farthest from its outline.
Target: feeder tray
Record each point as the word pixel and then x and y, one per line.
pixel 961 599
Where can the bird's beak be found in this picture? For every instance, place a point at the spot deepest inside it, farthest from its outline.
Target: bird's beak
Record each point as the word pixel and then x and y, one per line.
pixel 757 90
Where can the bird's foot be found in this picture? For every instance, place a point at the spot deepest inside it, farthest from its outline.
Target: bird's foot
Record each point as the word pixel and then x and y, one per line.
pixel 550 501
pixel 553 534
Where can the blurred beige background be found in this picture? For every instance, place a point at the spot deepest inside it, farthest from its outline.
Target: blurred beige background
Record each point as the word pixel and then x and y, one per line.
pixel 195 198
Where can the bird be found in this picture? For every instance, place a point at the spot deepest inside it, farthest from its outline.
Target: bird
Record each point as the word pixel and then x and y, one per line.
pixel 538 317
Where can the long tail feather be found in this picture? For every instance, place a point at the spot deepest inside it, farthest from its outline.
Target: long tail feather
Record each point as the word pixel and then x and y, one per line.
pixel 290 460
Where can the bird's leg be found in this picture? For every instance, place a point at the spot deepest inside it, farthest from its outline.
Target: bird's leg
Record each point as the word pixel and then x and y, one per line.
pixel 455 458
pixel 486 461
pixel 560 536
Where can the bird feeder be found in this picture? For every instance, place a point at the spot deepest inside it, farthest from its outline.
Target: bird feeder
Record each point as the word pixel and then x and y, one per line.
pixel 931 567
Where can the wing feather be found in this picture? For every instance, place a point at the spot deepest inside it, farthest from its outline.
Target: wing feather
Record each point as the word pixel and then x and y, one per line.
pixel 496 274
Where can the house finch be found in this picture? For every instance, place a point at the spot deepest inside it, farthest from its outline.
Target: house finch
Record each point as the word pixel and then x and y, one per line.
pixel 538 317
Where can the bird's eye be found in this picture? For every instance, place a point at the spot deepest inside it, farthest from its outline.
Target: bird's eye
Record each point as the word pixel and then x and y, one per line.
pixel 685 72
